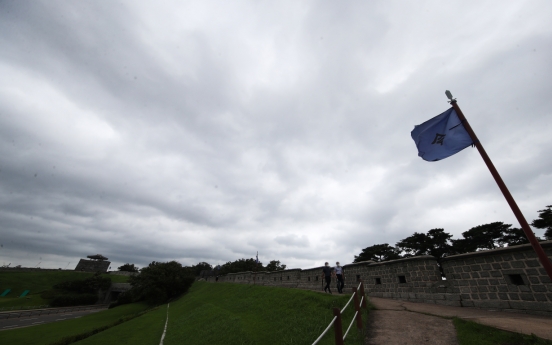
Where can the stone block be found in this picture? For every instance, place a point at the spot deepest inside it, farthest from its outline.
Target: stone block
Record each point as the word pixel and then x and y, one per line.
pixel 545 280
pixel 452 297
pixel 465 296
pixel 475 275
pixel 466 276
pixel 540 297
pixel 480 260
pixel 490 259
pixel 503 295
pixel 493 304
pixel 492 288
pixel 524 288
pixel 449 303
pixel 538 288
pixel 519 256
pixel 486 267
pixel 475 268
pixel 493 282
pixel 483 296
pixel 497 266
pixel 467 303
pixel 492 295
pixel 465 289
pixel 531 272
pixel 517 264
pixel 502 288
pixel 506 265
pixel 531 305
pixel 532 263
pixel 527 296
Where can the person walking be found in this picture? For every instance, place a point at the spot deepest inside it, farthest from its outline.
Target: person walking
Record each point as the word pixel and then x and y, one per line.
pixel 338 271
pixel 327 274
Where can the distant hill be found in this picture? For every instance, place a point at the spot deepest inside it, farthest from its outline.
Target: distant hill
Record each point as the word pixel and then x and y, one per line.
pixel 37 282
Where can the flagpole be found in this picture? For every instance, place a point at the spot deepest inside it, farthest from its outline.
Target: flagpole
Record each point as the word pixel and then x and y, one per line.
pixel 517 212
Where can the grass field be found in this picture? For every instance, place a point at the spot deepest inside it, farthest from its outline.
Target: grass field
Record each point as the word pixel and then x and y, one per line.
pixel 37 282
pixel 49 333
pixel 226 313
pixel 471 333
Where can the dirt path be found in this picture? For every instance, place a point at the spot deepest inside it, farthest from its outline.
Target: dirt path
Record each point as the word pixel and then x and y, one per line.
pixel 408 323
pixel 392 324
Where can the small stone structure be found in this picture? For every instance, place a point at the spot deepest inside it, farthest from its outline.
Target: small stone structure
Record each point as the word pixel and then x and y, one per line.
pixel 112 294
pixel 509 279
pixel 97 263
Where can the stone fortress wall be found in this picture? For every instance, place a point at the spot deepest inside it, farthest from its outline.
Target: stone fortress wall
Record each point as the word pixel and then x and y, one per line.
pixel 507 279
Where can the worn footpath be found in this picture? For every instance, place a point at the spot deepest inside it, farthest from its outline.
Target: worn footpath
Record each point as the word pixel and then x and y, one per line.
pixel 408 323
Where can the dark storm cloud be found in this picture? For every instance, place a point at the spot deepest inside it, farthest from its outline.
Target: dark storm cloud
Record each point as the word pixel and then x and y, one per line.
pixel 208 131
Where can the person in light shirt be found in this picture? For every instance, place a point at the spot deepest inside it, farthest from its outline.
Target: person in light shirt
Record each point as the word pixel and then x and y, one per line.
pixel 338 271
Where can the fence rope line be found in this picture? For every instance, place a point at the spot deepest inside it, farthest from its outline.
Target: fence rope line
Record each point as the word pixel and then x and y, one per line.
pixel 350 325
pixel 346 305
pixel 325 331
pixel 337 316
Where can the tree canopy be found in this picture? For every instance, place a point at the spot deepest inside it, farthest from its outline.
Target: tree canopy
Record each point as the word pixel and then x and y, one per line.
pixel 544 221
pixel 161 281
pixel 438 243
pixel 378 252
pixel 128 268
pixel 275 265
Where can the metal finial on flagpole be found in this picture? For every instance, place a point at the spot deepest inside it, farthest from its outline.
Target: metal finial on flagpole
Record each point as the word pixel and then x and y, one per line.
pixel 449 95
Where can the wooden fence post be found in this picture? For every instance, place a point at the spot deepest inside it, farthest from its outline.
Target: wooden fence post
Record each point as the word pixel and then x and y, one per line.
pixel 357 308
pixel 338 328
pixel 362 294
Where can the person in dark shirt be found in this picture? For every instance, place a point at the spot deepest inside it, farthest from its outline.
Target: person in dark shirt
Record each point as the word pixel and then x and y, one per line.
pixel 327 274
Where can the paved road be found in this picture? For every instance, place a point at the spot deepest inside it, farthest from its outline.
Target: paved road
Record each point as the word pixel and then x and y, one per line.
pixel 6 324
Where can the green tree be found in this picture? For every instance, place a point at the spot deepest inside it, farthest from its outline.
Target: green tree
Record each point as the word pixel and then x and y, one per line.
pixel 202 266
pixel 486 236
pixel 435 242
pixel 378 252
pixel 161 281
pixel 544 222
pixel 241 265
pixel 275 265
pixel 513 237
pixel 128 268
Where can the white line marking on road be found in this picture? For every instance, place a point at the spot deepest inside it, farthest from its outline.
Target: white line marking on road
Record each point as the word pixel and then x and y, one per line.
pixel 10 326
pixel 166 322
pixel 60 319
pixel 38 322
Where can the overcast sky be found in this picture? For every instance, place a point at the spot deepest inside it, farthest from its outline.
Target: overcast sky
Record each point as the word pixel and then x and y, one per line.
pixel 210 130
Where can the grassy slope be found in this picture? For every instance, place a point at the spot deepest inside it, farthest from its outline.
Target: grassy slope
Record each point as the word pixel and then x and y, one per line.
pixel 52 332
pixel 37 282
pixel 471 333
pixel 146 329
pixel 229 314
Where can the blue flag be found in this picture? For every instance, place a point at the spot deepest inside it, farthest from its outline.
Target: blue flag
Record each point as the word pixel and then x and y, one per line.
pixel 441 136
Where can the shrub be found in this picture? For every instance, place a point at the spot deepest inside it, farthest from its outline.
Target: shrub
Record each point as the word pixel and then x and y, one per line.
pixel 161 281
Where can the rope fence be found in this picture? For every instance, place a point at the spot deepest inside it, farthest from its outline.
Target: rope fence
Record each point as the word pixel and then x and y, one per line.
pixel 336 321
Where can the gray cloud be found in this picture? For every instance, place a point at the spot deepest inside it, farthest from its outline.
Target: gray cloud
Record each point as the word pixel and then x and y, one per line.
pixel 207 131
